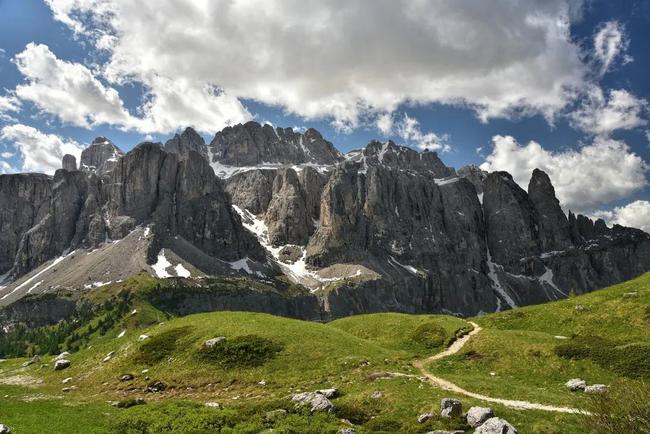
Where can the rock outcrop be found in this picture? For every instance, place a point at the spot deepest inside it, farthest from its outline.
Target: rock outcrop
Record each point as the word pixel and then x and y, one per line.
pixel 187 142
pixel 100 157
pixel 69 162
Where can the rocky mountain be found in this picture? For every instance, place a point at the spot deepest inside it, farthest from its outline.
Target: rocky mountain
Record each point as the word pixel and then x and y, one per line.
pixel 383 228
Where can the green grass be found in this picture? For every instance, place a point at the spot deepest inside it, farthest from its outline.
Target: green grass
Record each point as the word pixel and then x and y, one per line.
pixel 265 359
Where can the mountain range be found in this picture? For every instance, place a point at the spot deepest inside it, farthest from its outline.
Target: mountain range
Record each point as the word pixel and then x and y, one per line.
pixel 303 229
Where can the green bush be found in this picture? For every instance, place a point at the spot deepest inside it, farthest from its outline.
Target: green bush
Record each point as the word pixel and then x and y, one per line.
pixel 581 347
pixel 241 352
pixel 357 413
pixel 156 348
pixel 430 335
pixel 624 409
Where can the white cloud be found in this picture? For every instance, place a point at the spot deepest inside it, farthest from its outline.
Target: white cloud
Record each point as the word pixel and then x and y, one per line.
pixel 336 58
pixel 40 152
pixel 5 168
pixel 610 43
pixel 590 176
pixel 384 123
pixel 602 115
pixel 409 129
pixel 8 103
pixel 635 214
pixel 73 93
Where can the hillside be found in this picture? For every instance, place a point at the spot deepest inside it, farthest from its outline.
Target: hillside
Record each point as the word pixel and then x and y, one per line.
pixel 515 356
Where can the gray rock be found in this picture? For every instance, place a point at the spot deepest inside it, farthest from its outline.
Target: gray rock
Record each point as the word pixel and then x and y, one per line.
pixel 30 362
pixel 63 355
pixel 478 415
pixel 554 231
pixel 377 395
pixel 329 393
pixel 424 417
pixel 315 401
pixel 347 431
pixel 450 408
pixel 214 341
pixel 475 175
pixel 631 294
pixel 576 384
pixel 4 429
pixel 69 162
pixel 61 364
pixel 100 157
pixel 214 405
pixel 596 389
pixel 495 425
pixel 142 338
pixel 127 377
pixel 188 141
pixel 66 380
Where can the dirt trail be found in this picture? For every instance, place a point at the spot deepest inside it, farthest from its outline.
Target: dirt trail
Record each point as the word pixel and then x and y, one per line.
pixel 447 385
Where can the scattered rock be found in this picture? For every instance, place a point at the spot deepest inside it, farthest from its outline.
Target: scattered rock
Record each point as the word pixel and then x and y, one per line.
pixel 450 408
pixel 214 405
pixel 34 359
pixel 4 429
pixel 62 356
pixel 329 393
pixel 214 341
pixel 347 431
pixel 496 425
pixel 126 377
pixel 576 384
pixel 155 387
pixel 478 415
pixel 66 389
pixel 67 380
pixel 596 388
pixel 377 395
pixel 142 338
pixel 580 307
pixel 61 364
pixel 274 415
pixel 316 401
pixel 631 295
pixel 424 417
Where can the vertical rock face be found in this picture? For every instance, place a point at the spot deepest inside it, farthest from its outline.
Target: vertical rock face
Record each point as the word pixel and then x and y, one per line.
pixel 252 144
pixel 69 162
pixel 187 142
pixel 511 220
pixel 252 189
pixel 24 201
pixel 554 229
pixel 390 155
pixel 100 157
pixel 288 218
pixel 475 175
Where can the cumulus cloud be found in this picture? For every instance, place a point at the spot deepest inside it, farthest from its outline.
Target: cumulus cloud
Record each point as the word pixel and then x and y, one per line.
pixel 8 103
pixel 340 59
pixel 590 176
pixel 40 152
pixel 635 214
pixel 409 130
pixel 610 44
pixel 600 114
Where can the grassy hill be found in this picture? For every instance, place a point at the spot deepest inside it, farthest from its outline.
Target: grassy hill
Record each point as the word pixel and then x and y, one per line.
pixel 526 353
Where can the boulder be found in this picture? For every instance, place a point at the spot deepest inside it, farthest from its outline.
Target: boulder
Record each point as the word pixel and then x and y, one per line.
pixel 377 395
pixel 155 387
pixel 66 380
pixel 214 405
pixel 347 431
pixel 33 360
pixel 142 338
pixel 126 377
pixel 576 384
pixel 478 415
pixel 61 364
pixel 450 408
pixel 214 341
pixel 424 417
pixel 4 429
pixel 314 400
pixel 63 355
pixel 596 388
pixel 495 425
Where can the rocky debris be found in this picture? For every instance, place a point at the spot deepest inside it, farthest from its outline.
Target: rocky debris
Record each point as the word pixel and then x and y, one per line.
pixel 69 162
pixel 188 141
pixel 275 415
pixel 108 357
pixel 214 341
pixel 4 429
pixel 142 338
pixel 155 387
pixel 425 417
pixel 314 400
pixel 377 394
pixel 450 408
pixel 30 362
pixel 252 144
pixel 127 377
pixel 596 389
pixel 100 157
pixel 329 393
pixel 576 384
pixel 66 380
pixel 478 415
pixel 495 425
pixel 61 364
pixel 63 355
pixel 290 254
pixel 214 405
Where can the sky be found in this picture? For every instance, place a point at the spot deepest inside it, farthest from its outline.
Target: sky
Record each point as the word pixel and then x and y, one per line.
pixel 560 85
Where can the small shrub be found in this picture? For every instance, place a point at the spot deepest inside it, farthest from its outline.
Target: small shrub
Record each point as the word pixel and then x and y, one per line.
pixel 430 335
pixel 624 409
pixel 156 348
pixel 581 347
pixel 241 352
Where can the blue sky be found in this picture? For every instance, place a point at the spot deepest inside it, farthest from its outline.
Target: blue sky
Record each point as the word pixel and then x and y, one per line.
pixel 477 83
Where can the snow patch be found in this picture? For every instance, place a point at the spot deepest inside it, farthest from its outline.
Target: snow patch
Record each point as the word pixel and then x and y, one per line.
pixel 547 278
pixel 496 284
pixel 445 181
pixel 181 271
pixel 31 279
pixel 161 265
pixel 411 269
